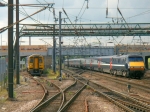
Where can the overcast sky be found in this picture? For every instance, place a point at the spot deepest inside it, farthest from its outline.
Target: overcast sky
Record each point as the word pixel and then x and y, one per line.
pixel 134 11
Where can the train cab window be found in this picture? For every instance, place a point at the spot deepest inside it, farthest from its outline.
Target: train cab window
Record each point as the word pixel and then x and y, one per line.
pixel 40 60
pixel 135 59
pixel 31 60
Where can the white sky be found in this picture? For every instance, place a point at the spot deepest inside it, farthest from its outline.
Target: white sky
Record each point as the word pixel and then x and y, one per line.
pixel 96 12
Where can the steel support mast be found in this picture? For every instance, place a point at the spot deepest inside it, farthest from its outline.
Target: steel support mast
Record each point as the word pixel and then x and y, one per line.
pixel 60 69
pixel 10 49
pixel 17 43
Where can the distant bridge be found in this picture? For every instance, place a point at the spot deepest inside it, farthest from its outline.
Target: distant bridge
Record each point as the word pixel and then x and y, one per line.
pixel 26 50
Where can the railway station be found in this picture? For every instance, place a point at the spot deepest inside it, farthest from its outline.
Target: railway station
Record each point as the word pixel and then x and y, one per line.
pixel 68 56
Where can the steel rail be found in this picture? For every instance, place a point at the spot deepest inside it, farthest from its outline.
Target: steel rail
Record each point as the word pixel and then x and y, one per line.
pixel 142 105
pixel 139 86
pixel 41 105
pixel 45 92
pixel 64 94
pixel 110 99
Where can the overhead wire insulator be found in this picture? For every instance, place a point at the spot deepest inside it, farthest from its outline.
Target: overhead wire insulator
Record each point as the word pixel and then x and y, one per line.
pixel 55 19
pixel 87 4
pixel 54 13
pixel 76 19
pixel 106 11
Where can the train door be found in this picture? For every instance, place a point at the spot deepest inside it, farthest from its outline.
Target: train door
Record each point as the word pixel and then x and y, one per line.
pixel 36 64
pixel 41 65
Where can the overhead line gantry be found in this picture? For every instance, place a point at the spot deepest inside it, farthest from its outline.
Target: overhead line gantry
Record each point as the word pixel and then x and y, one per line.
pixel 85 29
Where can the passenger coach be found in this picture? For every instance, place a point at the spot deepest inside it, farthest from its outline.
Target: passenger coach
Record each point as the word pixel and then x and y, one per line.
pixel 124 65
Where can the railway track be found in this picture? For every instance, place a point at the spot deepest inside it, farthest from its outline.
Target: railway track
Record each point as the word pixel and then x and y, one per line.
pixel 36 80
pixel 70 94
pixel 136 85
pixel 61 100
pixel 54 100
pixel 125 83
pixel 122 100
pixel 118 80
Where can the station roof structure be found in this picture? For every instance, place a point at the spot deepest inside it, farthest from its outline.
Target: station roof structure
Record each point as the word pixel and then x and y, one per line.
pixel 85 29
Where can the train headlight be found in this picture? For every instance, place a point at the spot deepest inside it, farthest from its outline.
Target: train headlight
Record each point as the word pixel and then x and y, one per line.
pixel 142 67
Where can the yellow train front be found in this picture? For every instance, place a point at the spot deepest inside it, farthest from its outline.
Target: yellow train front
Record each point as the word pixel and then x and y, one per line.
pixel 35 64
pixel 136 66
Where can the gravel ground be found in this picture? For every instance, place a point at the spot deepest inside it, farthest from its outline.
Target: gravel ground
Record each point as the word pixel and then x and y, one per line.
pixel 119 87
pixel 96 103
pixel 25 97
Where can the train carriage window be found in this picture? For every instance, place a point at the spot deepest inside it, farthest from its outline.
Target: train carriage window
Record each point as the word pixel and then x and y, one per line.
pixel 31 60
pixel 118 60
pixel 124 59
pixel 40 60
pixel 135 59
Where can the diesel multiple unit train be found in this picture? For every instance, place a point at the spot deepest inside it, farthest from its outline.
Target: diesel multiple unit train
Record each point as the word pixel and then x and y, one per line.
pixel 124 65
pixel 35 64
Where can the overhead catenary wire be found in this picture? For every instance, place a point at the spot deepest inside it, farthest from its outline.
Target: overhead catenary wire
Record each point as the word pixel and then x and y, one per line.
pixel 71 22
pixel 5 28
pixel 143 13
pixel 81 9
pixel 122 16
pixel 25 14
pixel 84 10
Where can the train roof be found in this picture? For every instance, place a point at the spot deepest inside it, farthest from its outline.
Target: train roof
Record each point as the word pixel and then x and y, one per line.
pixel 75 59
pixel 119 56
pixel 113 56
pixel 35 55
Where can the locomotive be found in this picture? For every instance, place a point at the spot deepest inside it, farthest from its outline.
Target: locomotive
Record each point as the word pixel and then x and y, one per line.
pixel 125 65
pixel 35 64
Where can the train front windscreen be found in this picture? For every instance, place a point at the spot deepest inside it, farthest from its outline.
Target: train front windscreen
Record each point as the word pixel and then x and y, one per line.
pixel 135 59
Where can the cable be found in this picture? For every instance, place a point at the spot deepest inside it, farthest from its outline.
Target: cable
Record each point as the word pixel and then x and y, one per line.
pixel 145 12
pixel 63 4
pixel 82 13
pixel 30 17
pixel 5 28
pixel 81 8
